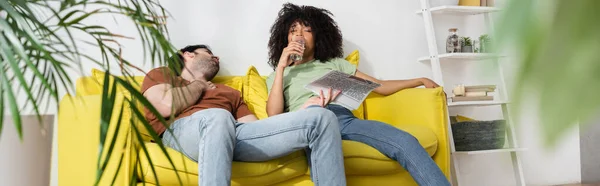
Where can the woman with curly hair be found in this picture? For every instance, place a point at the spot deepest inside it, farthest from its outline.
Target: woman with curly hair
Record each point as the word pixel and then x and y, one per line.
pixel 306 43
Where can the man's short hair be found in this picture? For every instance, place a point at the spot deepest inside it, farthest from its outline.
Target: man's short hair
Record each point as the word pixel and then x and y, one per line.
pixel 176 63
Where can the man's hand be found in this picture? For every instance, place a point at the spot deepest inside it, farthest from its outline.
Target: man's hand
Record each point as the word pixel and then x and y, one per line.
pixel 322 100
pixel 428 83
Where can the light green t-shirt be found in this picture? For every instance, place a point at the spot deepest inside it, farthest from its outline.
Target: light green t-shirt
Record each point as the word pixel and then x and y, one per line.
pixel 298 76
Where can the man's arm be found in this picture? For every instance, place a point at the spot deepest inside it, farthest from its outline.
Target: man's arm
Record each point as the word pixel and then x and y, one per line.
pixel 167 99
pixel 389 87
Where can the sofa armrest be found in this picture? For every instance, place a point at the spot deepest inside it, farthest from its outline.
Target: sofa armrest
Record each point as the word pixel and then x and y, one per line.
pixel 79 138
pixel 415 106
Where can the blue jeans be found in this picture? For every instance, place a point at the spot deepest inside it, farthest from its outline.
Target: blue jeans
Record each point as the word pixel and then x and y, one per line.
pixel 394 143
pixel 213 138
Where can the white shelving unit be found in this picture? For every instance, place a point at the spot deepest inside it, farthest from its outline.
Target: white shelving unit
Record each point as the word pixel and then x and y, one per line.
pixel 461 10
pixel 435 58
pixel 476 103
pixel 462 56
pixel 490 151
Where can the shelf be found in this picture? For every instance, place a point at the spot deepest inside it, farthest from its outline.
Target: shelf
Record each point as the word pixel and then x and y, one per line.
pixel 490 151
pixel 475 103
pixel 468 56
pixel 461 10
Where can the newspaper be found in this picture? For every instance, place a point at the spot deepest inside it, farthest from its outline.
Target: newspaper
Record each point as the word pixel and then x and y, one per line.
pixel 354 89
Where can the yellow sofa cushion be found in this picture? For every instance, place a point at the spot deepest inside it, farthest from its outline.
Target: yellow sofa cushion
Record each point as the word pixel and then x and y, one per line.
pixel 361 159
pixel 248 173
pixel 255 93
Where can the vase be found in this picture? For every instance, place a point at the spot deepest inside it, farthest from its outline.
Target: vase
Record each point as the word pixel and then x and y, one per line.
pixel 453 41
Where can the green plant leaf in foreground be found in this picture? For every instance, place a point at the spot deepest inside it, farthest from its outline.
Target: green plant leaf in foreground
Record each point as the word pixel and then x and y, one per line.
pixel 37 51
pixel 560 60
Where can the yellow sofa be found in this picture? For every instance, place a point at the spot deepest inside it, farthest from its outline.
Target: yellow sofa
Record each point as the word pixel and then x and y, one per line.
pixel 421 112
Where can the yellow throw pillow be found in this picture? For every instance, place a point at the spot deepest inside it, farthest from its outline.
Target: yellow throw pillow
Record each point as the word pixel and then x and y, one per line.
pixel 235 82
pixel 354 59
pixel 255 93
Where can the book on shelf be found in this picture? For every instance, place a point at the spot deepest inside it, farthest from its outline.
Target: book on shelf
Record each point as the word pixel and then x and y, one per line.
pixel 477 94
pixel 473 91
pixel 480 88
pixel 478 98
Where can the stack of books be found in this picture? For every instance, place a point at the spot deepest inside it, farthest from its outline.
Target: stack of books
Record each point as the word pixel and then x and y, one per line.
pixel 474 93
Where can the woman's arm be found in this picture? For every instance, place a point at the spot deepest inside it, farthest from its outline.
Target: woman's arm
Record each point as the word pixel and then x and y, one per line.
pixel 389 87
pixel 275 102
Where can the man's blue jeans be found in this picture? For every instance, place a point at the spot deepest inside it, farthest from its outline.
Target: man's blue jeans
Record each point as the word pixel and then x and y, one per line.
pixel 213 138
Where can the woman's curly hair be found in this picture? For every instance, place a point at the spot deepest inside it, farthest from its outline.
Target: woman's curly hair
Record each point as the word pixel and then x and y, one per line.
pixel 327 35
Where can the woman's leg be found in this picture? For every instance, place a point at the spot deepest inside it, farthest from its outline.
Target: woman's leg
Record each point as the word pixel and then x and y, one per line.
pixel 394 143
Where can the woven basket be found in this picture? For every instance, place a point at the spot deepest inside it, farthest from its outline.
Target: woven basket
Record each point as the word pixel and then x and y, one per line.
pixel 479 135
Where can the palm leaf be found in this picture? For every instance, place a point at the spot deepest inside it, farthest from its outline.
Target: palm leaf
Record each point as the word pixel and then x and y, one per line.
pixel 31 48
pixel 559 41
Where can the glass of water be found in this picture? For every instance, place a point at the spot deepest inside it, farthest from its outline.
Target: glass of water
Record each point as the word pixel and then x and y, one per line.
pixel 296 57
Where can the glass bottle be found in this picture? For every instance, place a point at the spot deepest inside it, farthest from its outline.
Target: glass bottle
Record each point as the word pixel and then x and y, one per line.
pixel 453 41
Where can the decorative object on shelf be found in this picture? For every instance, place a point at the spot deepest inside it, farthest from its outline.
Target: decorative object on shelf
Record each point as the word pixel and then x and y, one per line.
pixel 476 46
pixel 435 3
pixel 473 93
pixel 490 3
pixel 485 43
pixel 471 135
pixel 466 45
pixel 483 3
pixel 469 3
pixel 453 41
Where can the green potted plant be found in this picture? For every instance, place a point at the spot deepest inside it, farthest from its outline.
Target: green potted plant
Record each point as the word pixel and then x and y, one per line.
pixel 484 43
pixel 467 45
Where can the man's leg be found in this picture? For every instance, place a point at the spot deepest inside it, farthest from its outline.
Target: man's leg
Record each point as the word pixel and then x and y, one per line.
pixel 277 136
pixel 207 137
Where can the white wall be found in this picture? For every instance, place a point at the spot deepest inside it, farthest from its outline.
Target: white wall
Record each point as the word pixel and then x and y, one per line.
pixel 390 37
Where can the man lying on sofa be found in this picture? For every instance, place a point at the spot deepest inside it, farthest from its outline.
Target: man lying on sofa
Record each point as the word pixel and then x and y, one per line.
pixel 212 119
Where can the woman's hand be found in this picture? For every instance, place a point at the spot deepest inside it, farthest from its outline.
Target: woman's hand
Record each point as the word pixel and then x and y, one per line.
pixel 322 100
pixel 292 48
pixel 428 83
